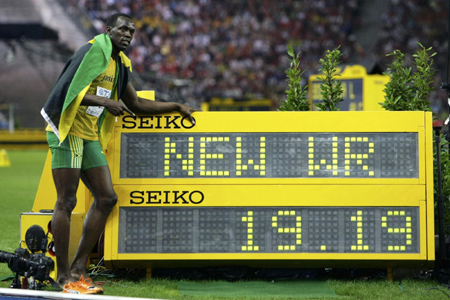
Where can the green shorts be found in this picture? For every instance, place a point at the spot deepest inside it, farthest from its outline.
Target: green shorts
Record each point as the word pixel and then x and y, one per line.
pixel 75 153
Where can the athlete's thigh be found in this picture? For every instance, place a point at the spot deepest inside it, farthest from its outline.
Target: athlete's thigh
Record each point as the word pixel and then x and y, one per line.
pixel 98 180
pixel 66 182
pixel 95 171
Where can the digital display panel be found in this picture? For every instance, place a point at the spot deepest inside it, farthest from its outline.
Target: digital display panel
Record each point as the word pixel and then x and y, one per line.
pixel 352 93
pixel 269 155
pixel 269 230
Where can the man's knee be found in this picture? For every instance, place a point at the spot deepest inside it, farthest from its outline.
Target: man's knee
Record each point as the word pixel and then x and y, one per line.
pixel 108 201
pixel 67 203
pixel 113 200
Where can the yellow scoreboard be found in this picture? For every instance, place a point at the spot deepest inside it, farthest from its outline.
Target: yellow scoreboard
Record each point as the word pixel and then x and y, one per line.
pixel 230 104
pixel 361 91
pixel 272 189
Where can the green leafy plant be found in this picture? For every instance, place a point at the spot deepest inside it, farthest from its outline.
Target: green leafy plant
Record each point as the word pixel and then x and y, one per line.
pixel 422 79
pixel 408 90
pixel 296 94
pixel 331 88
pixel 398 90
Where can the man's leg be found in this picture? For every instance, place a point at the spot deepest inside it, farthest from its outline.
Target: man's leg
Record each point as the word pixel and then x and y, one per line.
pixel 66 183
pixel 98 180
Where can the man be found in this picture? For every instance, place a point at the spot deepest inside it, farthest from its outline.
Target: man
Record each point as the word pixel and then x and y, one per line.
pixel 81 111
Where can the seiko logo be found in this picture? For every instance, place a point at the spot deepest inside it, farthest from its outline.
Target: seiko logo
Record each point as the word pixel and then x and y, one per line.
pixel 166 197
pixel 156 122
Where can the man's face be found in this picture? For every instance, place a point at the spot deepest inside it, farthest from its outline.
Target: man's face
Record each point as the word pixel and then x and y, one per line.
pixel 122 33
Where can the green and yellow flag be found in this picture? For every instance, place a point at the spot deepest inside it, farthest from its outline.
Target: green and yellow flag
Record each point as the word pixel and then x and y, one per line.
pixel 82 68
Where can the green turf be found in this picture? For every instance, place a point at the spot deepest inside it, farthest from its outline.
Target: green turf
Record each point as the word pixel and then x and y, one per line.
pixel 280 289
pixel 18 186
pixel 348 289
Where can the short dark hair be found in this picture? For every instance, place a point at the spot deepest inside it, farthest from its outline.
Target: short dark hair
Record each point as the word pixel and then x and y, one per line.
pixel 113 19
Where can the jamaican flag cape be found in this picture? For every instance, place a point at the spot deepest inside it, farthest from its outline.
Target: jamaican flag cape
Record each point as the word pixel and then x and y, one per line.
pixel 82 68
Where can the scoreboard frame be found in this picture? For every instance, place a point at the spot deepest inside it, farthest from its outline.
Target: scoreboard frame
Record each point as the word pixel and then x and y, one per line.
pixel 240 193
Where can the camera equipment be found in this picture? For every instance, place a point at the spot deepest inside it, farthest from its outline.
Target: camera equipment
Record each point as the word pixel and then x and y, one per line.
pixel 21 262
pixel 35 266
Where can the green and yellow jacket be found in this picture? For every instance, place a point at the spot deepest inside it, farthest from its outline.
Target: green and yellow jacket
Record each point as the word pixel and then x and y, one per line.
pixel 82 68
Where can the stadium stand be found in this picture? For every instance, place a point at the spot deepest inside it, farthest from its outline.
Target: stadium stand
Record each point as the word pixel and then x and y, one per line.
pixel 238 48
pixel 32 59
pixel 230 48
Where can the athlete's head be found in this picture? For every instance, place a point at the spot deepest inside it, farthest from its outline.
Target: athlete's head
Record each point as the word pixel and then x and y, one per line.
pixel 120 28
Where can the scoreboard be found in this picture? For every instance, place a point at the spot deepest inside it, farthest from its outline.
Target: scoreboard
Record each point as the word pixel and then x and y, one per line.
pixel 231 104
pixel 272 188
pixel 361 91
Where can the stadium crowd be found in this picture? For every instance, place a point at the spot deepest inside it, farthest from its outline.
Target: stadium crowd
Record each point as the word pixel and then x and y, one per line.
pixel 238 48
pixel 408 22
pixel 232 48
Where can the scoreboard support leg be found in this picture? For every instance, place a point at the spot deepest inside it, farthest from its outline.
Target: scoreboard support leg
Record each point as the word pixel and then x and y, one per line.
pixel 390 276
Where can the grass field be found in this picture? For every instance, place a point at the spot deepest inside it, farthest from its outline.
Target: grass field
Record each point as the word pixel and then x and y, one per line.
pixel 18 186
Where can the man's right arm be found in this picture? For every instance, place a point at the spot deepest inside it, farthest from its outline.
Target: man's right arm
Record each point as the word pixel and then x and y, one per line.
pixel 114 107
pixel 140 105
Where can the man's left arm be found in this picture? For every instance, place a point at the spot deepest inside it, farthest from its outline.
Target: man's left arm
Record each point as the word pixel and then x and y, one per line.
pixel 139 105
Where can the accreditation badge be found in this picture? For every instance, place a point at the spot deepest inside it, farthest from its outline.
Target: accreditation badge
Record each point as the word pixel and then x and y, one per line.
pixel 96 111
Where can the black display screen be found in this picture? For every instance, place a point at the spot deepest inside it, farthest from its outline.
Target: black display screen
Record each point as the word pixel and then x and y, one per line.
pixel 269 155
pixel 269 230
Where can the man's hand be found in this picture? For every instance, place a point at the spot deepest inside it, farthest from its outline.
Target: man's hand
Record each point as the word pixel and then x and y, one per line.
pixel 145 106
pixel 187 110
pixel 117 108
